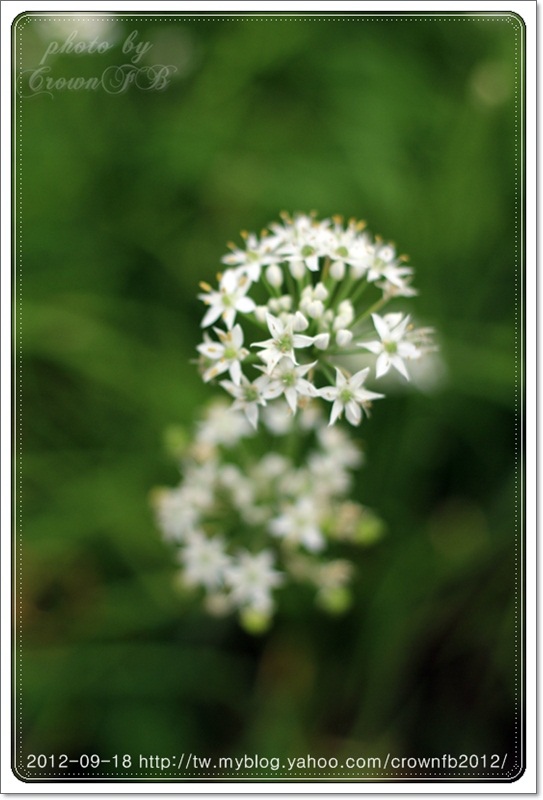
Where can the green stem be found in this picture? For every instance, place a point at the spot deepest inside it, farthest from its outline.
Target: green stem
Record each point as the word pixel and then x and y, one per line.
pixel 324 367
pixel 344 292
pixel 255 321
pixel 290 284
pixel 272 290
pixel 360 289
pixel 371 310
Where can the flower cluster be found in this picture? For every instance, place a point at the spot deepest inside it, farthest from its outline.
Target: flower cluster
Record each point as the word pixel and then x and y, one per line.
pixel 316 289
pixel 297 318
pixel 252 515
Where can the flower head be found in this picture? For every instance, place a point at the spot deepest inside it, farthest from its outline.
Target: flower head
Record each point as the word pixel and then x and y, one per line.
pixel 226 354
pixel 393 347
pixel 231 298
pixel 249 396
pixel 350 396
pixel 284 340
pixel 251 578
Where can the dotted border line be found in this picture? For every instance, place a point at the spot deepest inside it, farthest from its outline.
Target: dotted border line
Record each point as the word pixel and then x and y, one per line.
pixel 506 17
pixel 409 17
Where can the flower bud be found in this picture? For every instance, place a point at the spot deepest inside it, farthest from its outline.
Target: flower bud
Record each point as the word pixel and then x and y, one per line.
pixel 343 337
pixel 320 292
pixel 337 270
pixel 315 309
pixel 260 313
pixel 300 322
pixel 322 340
pixel 297 269
pixel 274 276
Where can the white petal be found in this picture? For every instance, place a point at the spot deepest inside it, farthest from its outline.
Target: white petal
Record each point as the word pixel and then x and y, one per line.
pixel 358 378
pixel 306 388
pixel 212 315
pixel 337 409
pixel 235 372
pixel 398 364
pixel 373 347
pixel 237 336
pixel 215 370
pixel 353 412
pixel 399 329
pixel 275 325
pixel 272 390
pixel 230 387
pixel 211 350
pixel 380 326
pixel 383 365
pixel 299 340
pixel 229 315
pixel 292 398
pixel 328 393
pixel 245 305
pixel 341 380
pixel 251 412
pixel 392 319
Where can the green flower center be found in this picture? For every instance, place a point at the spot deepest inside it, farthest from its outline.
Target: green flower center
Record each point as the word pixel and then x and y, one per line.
pixel 390 347
pixel 342 252
pixel 251 394
pixel 307 250
pixel 230 352
pixel 289 379
pixel 284 343
pixel 345 395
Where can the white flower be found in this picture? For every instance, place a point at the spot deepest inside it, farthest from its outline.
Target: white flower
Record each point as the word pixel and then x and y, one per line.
pixel 223 425
pixel 228 353
pixel 230 299
pixel 401 288
pixel 304 253
pixel 289 380
pixel 204 560
pixel 249 396
pixel 349 396
pixel 338 446
pixel 392 348
pixel 328 474
pixel 384 264
pixel 251 578
pixel 256 255
pixel 278 418
pixel 283 341
pixel 299 524
pixel 176 514
pixel 348 248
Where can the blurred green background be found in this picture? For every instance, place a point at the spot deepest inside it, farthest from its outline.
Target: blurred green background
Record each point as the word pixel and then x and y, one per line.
pixel 126 202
